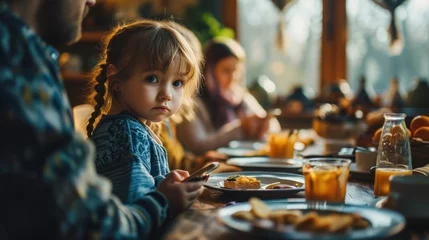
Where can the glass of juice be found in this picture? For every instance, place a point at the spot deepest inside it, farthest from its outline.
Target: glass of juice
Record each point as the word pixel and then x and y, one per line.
pixel 278 143
pixel 326 179
pixel 394 153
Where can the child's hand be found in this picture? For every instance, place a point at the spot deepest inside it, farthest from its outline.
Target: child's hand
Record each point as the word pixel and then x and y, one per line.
pixel 180 195
pixel 182 173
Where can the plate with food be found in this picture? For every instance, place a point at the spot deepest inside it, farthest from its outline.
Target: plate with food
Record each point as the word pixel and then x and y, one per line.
pixel 244 149
pixel 261 184
pixel 267 164
pixel 305 220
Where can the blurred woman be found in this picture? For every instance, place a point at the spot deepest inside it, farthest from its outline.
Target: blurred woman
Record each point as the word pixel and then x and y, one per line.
pixel 225 110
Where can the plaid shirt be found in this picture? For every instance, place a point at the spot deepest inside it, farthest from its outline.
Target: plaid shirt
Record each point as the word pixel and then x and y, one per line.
pixel 43 160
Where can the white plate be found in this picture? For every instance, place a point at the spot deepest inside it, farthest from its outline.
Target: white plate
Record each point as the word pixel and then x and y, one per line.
pixel 267 163
pixel 235 152
pixel 384 223
pixel 241 148
pixel 296 181
pixel 254 145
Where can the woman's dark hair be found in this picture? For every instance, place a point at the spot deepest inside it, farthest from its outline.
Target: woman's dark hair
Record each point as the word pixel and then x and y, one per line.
pixel 215 51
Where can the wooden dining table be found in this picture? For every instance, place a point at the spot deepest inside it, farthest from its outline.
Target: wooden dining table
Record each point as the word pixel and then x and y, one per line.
pixel 200 220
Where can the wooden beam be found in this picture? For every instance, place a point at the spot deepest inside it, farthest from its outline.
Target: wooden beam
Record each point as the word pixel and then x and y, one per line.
pixel 334 37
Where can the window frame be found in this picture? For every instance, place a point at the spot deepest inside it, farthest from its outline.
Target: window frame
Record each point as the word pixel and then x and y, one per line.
pixel 334 38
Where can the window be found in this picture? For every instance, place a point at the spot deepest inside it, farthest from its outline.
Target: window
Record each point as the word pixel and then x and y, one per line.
pixel 300 62
pixel 368 44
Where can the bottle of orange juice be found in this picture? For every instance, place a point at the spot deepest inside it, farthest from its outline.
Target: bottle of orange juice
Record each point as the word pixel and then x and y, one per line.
pixel 394 153
pixel 382 179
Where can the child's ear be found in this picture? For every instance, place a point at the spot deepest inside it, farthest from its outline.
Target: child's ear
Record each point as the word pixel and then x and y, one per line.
pixel 111 72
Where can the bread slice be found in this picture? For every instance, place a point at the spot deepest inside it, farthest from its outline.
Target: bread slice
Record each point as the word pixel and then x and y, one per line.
pixel 242 182
pixel 247 185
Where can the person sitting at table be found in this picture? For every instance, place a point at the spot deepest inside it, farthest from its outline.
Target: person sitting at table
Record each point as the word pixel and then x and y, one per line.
pixel 134 88
pixel 48 185
pixel 226 111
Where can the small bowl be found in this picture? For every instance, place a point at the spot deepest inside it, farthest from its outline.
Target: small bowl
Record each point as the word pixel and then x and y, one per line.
pixel 365 160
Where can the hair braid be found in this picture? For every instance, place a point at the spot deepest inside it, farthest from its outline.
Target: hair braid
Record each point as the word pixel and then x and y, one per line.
pixel 100 90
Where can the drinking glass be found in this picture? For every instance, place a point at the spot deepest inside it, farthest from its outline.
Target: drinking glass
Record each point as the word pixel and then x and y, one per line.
pixel 326 178
pixel 394 153
pixel 278 143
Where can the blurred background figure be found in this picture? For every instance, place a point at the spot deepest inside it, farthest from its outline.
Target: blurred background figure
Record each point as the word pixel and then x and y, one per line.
pixel 226 110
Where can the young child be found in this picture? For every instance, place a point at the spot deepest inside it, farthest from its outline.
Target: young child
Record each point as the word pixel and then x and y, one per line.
pixel 148 73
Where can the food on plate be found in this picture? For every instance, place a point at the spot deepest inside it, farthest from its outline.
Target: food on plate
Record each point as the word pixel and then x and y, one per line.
pixel 242 182
pixel 359 222
pixel 312 221
pixel 247 182
pixel 307 222
pixel 285 216
pixel 259 208
pixel 244 215
pixel 336 223
pixel 281 186
pixel 271 185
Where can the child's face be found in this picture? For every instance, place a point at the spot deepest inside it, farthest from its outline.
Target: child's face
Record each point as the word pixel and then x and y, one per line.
pixel 154 95
pixel 229 72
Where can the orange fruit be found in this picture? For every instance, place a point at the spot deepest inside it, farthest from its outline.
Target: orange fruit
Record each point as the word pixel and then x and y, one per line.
pixel 418 122
pixel 398 129
pixel 377 134
pixel 395 131
pixel 422 133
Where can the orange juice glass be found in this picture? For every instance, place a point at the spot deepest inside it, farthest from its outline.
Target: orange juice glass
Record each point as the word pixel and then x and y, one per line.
pixel 278 144
pixel 326 179
pixel 382 179
pixel 292 139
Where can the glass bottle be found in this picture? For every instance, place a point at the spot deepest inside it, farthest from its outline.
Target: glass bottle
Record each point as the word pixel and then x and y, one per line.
pixel 394 153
